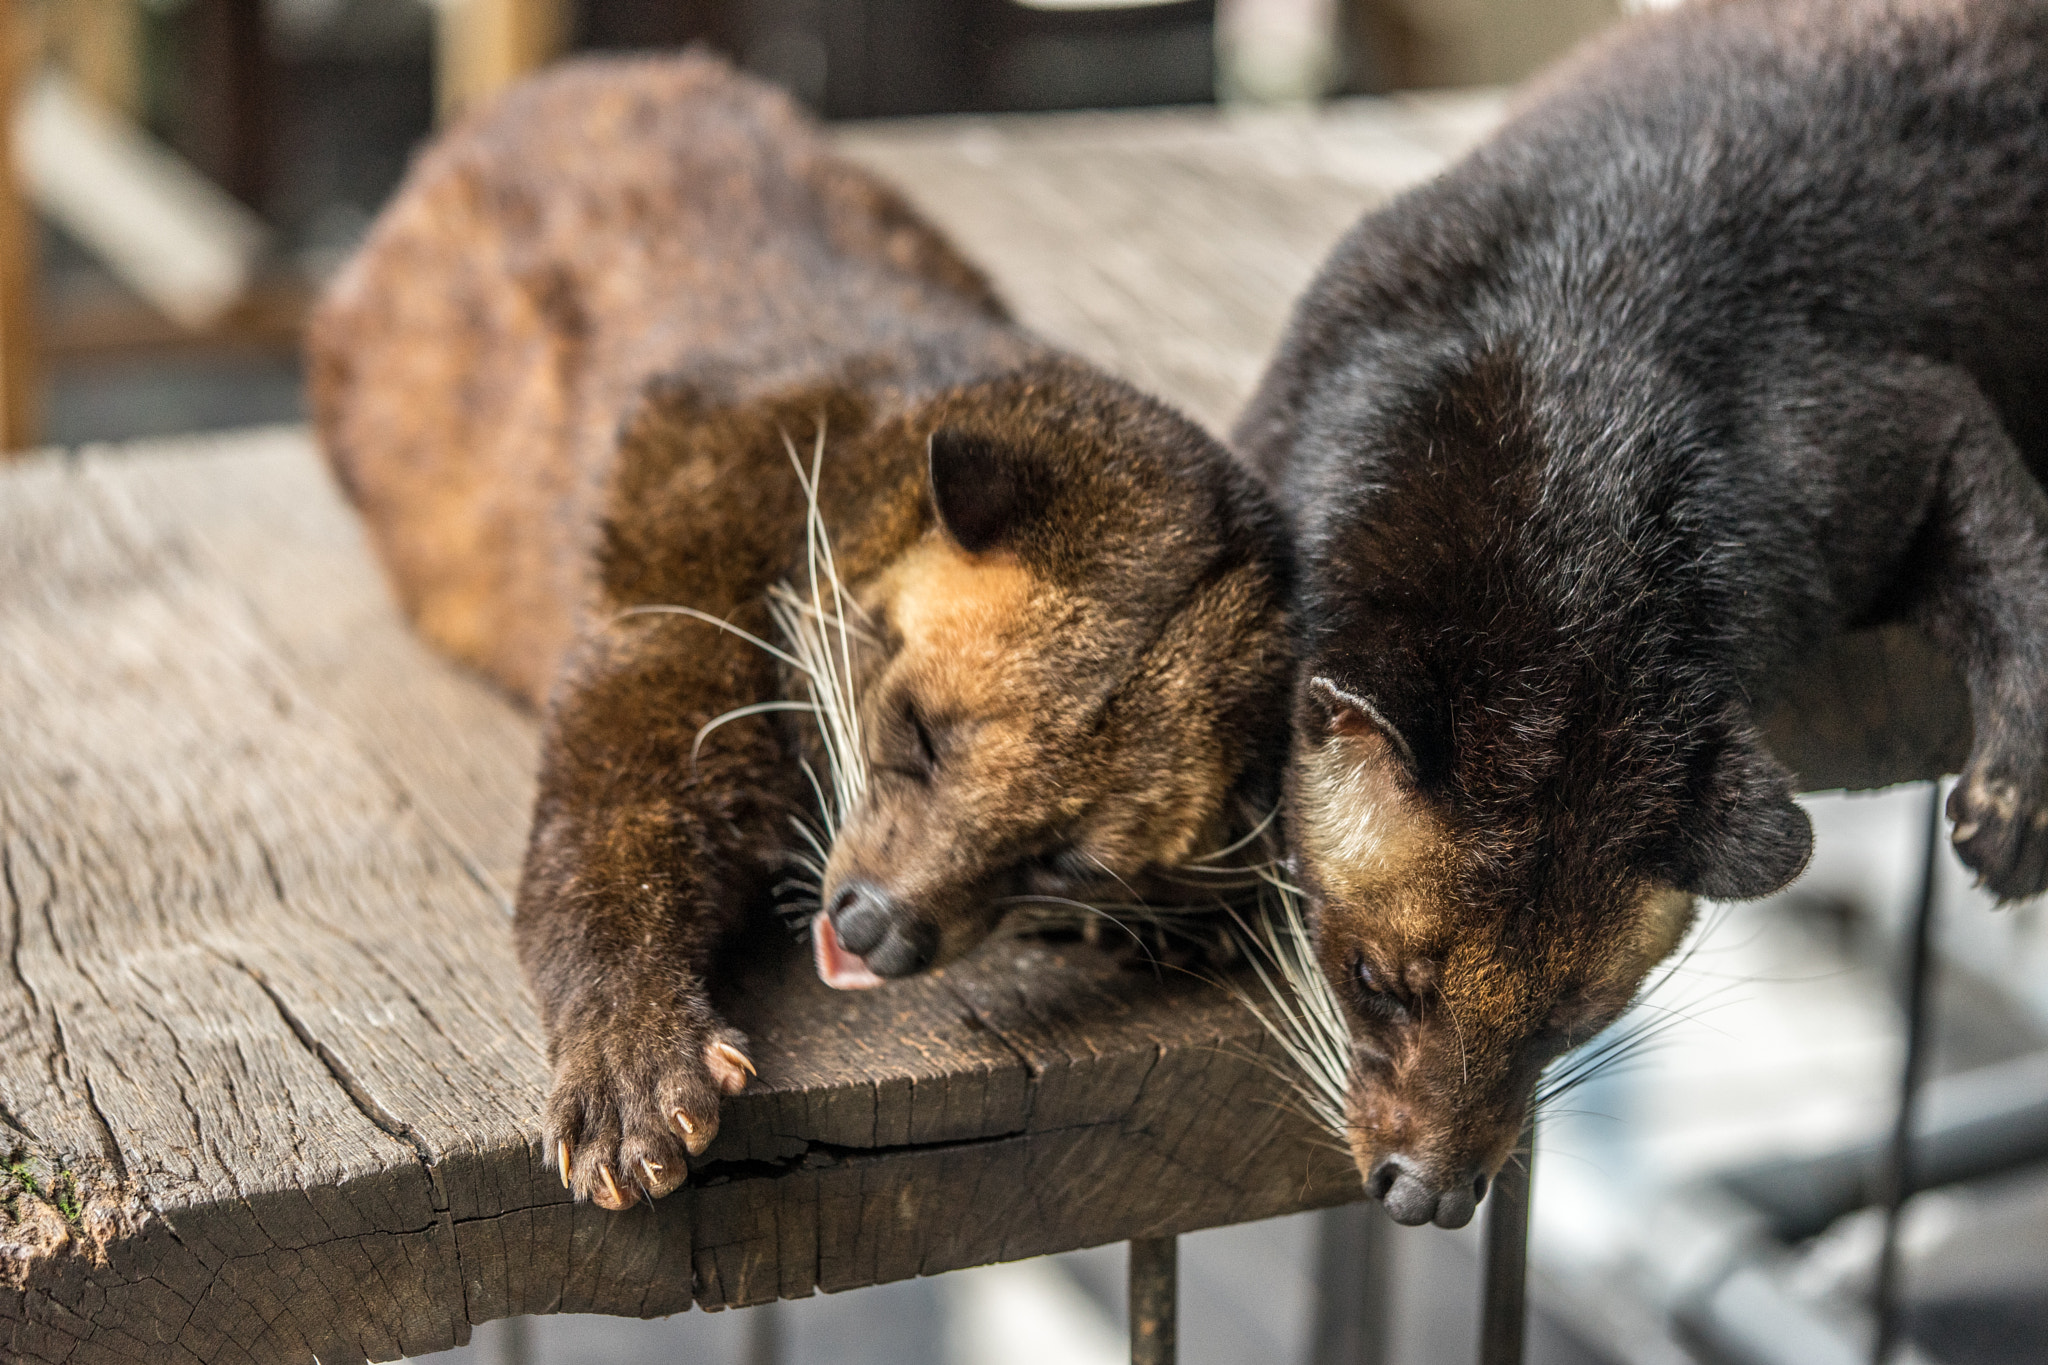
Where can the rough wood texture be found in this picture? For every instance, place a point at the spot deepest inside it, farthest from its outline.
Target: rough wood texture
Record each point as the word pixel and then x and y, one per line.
pixel 272 1086
pixel 266 1023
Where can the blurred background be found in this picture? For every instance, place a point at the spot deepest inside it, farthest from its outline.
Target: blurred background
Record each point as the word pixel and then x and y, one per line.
pixel 195 168
pixel 192 170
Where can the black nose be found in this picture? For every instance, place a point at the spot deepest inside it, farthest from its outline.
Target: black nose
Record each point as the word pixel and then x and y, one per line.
pixel 1412 1201
pixel 881 932
pixel 860 916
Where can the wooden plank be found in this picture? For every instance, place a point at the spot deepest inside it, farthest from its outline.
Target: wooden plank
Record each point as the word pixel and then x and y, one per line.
pixel 469 754
pixel 100 324
pixel 155 817
pixel 1166 247
pixel 1877 707
pixel 266 1015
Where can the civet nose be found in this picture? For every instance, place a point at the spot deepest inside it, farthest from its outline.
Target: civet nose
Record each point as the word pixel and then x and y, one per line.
pixel 1412 1201
pixel 871 924
pixel 861 917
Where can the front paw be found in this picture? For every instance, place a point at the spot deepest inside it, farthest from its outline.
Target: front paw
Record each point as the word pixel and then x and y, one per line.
pixel 635 1096
pixel 2001 832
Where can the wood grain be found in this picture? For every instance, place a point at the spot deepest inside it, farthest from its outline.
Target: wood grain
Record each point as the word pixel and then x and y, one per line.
pixel 270 1067
pixel 1169 247
pixel 265 1018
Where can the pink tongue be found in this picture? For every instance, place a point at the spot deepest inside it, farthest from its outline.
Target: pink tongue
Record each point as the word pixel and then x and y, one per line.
pixel 837 968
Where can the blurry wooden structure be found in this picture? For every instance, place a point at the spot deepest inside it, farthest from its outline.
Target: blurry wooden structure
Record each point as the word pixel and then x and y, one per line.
pixel 482 46
pixel 273 1087
pixel 97 43
pixel 883 58
pixel 1431 44
pixel 20 363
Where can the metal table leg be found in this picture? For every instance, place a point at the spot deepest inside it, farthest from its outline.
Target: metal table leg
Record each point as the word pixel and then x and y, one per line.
pixel 1504 1311
pixel 1155 1294
pixel 1895 1181
pixel 1354 1264
pixel 764 1335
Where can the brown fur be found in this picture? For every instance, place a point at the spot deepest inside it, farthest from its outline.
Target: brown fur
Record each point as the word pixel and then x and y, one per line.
pixel 562 381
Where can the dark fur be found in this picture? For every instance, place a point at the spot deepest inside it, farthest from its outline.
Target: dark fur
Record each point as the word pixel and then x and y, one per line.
pixel 559 381
pixel 1732 339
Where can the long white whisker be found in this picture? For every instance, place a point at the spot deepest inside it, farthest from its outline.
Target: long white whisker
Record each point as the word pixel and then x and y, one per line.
pixel 1256 831
pixel 759 708
pixel 1299 1012
pixel 708 619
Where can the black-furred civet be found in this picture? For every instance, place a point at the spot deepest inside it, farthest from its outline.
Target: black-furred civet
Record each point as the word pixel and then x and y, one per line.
pixel 1733 338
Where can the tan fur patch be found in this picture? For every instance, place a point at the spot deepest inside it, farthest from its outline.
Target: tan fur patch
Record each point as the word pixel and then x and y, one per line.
pixel 958 616
pixel 936 592
pixel 1666 914
pixel 1662 916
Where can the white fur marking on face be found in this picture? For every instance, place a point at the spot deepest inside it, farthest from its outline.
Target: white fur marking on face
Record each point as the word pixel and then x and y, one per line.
pixel 1352 806
pixel 1360 821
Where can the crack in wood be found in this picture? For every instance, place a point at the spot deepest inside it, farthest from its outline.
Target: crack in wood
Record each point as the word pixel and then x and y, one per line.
pixel 109 1145
pixel 14 914
pixel 388 1123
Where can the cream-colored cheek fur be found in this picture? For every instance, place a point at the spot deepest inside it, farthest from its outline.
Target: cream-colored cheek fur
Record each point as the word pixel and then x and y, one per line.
pixel 1361 828
pixel 1666 913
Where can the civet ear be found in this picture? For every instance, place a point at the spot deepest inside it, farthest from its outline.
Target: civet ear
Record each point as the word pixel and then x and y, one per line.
pixel 1349 717
pixel 1749 837
pixel 979 489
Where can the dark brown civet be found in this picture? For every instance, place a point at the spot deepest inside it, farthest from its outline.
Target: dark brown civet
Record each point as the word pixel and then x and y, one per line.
pixel 574 372
pixel 1733 338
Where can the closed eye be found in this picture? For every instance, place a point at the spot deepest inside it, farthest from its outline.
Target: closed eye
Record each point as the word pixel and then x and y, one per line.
pixel 927 752
pixel 908 748
pixel 1374 998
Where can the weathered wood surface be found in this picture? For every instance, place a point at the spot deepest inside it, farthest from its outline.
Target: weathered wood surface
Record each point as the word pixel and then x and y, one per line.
pixel 270 1068
pixel 264 1019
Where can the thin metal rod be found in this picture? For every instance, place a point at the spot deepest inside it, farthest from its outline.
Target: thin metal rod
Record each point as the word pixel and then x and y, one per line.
pixel 764 1335
pixel 515 1341
pixel 1354 1276
pixel 1504 1312
pixel 1155 1300
pixel 1895 1180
